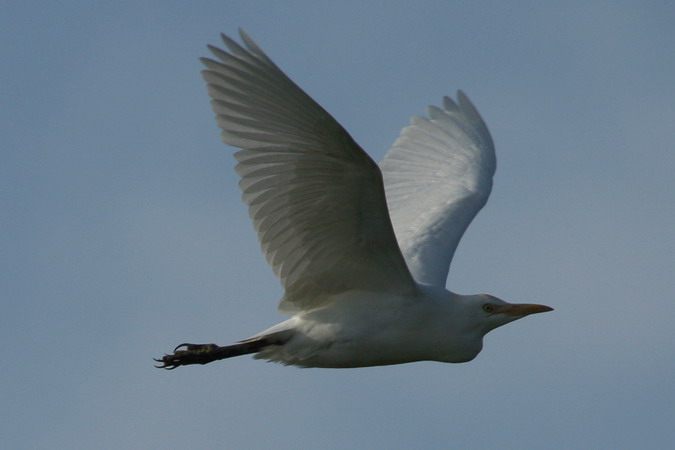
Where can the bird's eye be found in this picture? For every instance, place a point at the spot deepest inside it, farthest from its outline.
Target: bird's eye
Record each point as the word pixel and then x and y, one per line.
pixel 488 308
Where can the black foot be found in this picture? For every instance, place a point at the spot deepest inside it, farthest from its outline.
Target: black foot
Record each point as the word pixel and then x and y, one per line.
pixel 193 354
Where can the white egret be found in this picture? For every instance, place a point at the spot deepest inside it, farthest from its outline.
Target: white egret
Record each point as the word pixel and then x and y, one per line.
pixel 362 251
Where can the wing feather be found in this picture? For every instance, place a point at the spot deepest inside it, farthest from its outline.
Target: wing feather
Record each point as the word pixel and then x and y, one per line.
pixel 315 197
pixel 437 176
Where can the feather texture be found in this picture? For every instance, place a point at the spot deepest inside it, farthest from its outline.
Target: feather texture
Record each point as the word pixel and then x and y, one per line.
pixel 315 197
pixel 438 175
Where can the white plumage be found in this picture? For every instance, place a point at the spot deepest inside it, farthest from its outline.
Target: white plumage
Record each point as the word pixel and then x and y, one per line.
pixel 363 281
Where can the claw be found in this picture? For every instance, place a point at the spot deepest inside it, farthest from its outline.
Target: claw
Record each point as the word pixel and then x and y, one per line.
pixel 192 354
pixel 165 363
pixel 184 344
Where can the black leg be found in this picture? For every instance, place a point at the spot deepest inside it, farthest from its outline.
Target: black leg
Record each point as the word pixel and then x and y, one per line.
pixel 206 353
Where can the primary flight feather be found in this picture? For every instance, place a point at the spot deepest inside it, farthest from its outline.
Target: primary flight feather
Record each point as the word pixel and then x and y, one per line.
pixel 362 251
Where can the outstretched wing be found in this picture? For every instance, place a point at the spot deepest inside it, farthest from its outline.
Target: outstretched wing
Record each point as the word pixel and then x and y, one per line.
pixel 437 176
pixel 315 197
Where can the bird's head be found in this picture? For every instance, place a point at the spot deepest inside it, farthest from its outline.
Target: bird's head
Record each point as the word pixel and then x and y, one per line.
pixel 491 312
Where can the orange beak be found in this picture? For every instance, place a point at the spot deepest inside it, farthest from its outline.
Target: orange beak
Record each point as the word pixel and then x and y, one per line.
pixel 523 309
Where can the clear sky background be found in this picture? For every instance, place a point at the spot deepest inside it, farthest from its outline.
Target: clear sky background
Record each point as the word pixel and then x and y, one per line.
pixel 123 233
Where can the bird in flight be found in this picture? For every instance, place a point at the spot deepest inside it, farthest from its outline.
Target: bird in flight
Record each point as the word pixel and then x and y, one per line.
pixel 362 251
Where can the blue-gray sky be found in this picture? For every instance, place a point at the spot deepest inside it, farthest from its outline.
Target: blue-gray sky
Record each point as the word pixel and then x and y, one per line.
pixel 123 233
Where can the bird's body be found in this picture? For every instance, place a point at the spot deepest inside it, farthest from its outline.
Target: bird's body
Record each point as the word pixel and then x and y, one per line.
pixel 367 329
pixel 362 252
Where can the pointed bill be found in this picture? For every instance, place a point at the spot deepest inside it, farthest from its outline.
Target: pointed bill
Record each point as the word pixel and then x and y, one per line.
pixel 523 309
